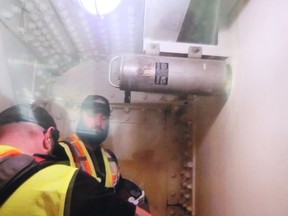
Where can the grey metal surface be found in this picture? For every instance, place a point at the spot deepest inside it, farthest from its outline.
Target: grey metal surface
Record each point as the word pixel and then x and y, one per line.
pixel 172 75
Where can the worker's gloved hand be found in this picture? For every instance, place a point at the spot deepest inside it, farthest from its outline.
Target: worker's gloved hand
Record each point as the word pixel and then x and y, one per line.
pixel 137 197
pixel 128 190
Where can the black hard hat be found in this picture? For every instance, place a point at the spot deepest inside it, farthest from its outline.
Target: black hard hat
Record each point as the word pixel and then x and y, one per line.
pixel 96 102
pixel 27 113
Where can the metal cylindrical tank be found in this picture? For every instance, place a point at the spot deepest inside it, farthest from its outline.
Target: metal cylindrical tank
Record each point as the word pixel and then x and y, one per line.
pixel 161 74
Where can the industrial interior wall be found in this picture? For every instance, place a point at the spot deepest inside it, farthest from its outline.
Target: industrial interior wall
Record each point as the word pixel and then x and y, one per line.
pixel 139 138
pixel 242 153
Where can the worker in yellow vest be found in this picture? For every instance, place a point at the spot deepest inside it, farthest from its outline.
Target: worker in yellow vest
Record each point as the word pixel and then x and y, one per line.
pixel 33 183
pixel 84 150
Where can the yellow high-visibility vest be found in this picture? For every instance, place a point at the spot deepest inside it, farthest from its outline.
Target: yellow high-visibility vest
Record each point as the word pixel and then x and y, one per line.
pixel 43 194
pixel 80 158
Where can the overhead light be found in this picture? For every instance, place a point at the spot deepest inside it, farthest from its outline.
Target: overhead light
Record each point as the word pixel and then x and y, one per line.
pixel 99 7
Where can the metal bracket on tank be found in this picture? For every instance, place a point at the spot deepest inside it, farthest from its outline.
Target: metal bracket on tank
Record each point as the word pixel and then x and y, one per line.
pixel 152 49
pixel 127 98
pixel 194 52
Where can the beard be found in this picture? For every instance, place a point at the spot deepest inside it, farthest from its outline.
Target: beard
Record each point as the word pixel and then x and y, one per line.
pixel 92 137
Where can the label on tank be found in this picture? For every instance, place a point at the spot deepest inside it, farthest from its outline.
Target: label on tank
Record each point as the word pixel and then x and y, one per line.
pixel 161 73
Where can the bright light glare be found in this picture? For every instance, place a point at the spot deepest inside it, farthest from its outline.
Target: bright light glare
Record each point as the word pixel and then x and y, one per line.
pixel 99 7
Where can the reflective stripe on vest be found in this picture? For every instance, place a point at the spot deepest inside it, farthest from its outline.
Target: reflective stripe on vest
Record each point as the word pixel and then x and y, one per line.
pixel 112 169
pixel 43 194
pixel 6 150
pixel 82 159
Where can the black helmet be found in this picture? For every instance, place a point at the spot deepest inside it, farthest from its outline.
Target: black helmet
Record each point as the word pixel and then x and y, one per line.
pixel 29 113
pixel 96 102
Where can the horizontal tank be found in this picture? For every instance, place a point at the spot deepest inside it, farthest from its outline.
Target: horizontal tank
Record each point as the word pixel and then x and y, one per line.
pixel 160 74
